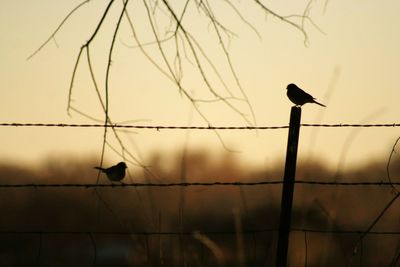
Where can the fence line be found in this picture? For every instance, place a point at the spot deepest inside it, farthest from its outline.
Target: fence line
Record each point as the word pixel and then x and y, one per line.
pixel 276 182
pixel 335 230
pixel 209 127
pixel 177 233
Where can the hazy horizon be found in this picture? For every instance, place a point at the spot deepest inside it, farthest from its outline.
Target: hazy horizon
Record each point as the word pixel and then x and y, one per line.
pixel 66 216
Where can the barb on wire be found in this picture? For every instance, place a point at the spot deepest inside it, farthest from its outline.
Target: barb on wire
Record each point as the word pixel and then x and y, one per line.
pixel 190 233
pixel 208 127
pixel 274 182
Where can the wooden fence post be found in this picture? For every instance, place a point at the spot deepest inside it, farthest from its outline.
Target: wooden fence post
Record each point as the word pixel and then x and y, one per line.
pixel 288 187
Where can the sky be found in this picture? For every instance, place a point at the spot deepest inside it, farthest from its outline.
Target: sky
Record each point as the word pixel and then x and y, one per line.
pixel 350 62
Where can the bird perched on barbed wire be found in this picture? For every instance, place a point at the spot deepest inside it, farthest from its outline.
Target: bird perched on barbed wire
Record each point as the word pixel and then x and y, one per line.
pixel 115 173
pixel 299 97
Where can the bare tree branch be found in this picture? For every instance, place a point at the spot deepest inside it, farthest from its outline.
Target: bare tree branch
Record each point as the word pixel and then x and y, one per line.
pixel 86 46
pixel 177 46
pixel 284 19
pixel 57 29
pixel 388 164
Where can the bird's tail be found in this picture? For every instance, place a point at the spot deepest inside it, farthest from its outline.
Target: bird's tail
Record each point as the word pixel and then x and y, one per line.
pixel 318 103
pixel 99 168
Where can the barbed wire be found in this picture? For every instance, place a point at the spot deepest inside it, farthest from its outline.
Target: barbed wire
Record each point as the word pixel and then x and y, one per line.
pixel 209 127
pixel 187 184
pixel 172 233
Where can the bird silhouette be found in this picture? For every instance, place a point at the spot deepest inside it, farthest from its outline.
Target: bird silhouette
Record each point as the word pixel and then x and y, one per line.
pixel 299 97
pixel 115 173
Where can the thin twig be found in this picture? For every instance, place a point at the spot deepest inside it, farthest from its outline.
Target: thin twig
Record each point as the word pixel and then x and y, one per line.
pixel 94 248
pixel 284 19
pixel 39 253
pixel 388 164
pixel 57 29
pixel 305 249
pixel 86 47
pixel 380 215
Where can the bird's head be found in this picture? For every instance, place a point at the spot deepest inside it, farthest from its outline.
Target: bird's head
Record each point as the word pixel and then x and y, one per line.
pixel 122 165
pixel 291 86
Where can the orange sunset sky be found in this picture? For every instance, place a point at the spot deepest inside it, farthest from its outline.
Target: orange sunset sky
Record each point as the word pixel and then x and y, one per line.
pixel 351 64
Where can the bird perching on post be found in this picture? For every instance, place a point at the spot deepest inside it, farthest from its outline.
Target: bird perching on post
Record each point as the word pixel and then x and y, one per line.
pixel 299 97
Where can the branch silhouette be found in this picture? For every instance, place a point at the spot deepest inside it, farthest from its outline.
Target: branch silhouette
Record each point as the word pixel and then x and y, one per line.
pixel 185 46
